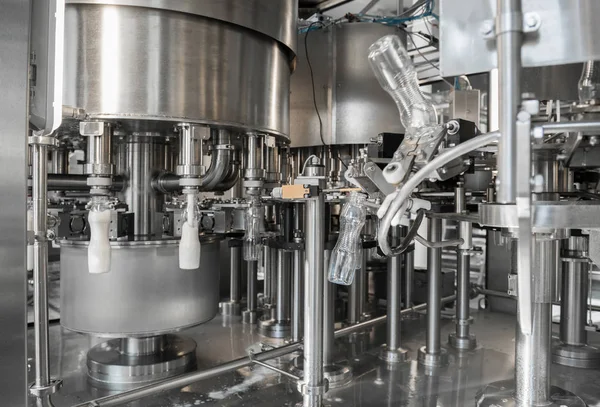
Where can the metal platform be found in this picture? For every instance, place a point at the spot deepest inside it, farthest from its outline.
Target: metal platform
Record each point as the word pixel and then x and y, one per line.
pixel 374 383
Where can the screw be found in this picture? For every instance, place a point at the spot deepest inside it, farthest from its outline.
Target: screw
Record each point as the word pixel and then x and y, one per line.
pixel 531 20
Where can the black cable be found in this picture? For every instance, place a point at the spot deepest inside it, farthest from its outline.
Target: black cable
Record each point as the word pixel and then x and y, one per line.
pixel 314 94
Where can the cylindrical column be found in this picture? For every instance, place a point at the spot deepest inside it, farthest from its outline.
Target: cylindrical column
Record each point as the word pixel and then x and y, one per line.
pixel 329 316
pixel 143 346
pixel 572 348
pixel 249 314
pixel 532 356
pixel 391 352
pixel 432 354
pixel 462 338
pixel 508 43
pixel 409 274
pixel 298 295
pixel 232 307
pixel 60 161
pixel 40 267
pixel 268 272
pixel 313 303
pixel 282 306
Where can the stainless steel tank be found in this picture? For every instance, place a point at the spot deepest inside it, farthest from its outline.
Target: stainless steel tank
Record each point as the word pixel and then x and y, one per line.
pixel 151 63
pixel 351 103
pixel 144 294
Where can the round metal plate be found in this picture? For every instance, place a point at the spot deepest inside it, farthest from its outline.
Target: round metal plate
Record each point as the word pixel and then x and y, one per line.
pixel 399 355
pixel 273 328
pixel 437 360
pixel 501 394
pixel 109 367
pixel 587 357
pixel 468 343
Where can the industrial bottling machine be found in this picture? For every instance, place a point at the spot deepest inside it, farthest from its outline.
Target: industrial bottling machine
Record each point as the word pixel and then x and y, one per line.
pixel 304 202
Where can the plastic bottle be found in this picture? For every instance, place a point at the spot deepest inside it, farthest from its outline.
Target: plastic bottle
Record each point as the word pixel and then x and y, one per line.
pixel 254 220
pixel 346 257
pixel 589 82
pixel 397 76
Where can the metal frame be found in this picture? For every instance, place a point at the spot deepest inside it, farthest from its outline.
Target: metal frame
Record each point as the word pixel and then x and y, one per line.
pixel 14 42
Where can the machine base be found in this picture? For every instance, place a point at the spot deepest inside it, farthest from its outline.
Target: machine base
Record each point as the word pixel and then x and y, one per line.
pixel 273 328
pixel 230 308
pixel 501 394
pixel 110 367
pixel 468 343
pixel 399 355
pixel 586 356
pixel 429 360
pixel 337 374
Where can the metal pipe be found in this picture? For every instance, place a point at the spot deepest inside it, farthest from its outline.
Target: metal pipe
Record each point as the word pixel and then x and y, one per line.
pixel 40 266
pixel 394 278
pixel 356 293
pixel 235 271
pixel 409 270
pixel 493 114
pixel 573 307
pixel 508 42
pixel 463 273
pixel 329 315
pixel 60 161
pixel 533 352
pixel 297 296
pixel 219 165
pixel 78 182
pixel 268 271
pixel 562 127
pixel 434 278
pixel 313 301
pixel 282 304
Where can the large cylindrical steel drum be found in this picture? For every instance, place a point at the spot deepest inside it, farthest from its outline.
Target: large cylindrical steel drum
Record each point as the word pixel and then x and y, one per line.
pixel 149 64
pixel 144 294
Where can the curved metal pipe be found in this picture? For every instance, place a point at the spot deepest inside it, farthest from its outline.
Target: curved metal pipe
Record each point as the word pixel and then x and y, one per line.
pixel 78 182
pixel 219 165
pixel 231 178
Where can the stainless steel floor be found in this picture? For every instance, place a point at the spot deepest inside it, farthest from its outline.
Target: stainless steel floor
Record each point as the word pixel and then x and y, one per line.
pixel 374 384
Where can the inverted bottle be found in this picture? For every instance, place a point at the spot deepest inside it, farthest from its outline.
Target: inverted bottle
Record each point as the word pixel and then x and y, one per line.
pixel 346 256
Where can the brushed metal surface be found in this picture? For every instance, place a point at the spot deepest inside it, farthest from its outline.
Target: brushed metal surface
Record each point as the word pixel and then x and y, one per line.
pixel 566 35
pixel 149 68
pixel 14 43
pixel 145 292
pixel 257 15
pixel 352 105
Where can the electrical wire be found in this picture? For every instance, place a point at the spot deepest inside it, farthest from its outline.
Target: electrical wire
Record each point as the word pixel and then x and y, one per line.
pixel 426 59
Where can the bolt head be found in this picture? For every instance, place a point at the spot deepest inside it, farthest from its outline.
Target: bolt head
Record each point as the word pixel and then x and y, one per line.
pixel 486 28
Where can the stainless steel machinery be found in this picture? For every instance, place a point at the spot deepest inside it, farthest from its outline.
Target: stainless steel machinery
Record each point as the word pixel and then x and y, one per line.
pixel 312 202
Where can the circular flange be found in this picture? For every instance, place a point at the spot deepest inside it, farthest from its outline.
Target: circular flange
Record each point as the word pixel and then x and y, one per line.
pixel 109 367
pixel 399 355
pixel 337 374
pixel 586 356
pixel 466 343
pixel 230 308
pixel 432 360
pixel 249 317
pixel 502 394
pixel 273 328
pixel 41 391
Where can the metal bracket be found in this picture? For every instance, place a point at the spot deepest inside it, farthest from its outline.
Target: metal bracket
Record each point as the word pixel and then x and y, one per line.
pixel 273 368
pixel 572 142
pixel 527 23
pixel 313 390
pixel 512 285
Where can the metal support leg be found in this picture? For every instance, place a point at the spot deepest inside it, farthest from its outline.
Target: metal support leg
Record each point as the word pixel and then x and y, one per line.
pixel 313 386
pixel 572 348
pixel 249 314
pixel 462 338
pixel 232 307
pixel 409 270
pixel 392 352
pixel 357 294
pixel 297 295
pixel 432 354
pixel 43 385
pixel 279 325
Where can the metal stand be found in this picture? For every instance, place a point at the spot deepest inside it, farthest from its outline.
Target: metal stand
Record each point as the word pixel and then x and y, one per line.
pixel 392 352
pixel 279 326
pixel 432 354
pixel 120 364
pixel 233 306
pixel 462 339
pixel 249 314
pixel 572 348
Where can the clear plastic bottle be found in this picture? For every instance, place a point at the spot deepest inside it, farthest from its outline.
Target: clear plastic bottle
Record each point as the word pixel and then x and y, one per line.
pixel 397 76
pixel 346 257
pixel 99 257
pixel 254 219
pixel 589 82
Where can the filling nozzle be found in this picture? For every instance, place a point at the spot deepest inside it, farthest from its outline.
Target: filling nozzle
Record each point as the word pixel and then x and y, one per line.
pixel 189 246
pixel 99 222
